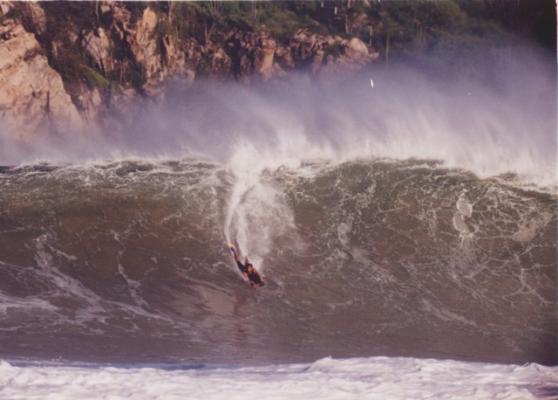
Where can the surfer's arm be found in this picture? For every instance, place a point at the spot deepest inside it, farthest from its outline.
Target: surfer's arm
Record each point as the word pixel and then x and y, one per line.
pixel 235 254
pixel 242 269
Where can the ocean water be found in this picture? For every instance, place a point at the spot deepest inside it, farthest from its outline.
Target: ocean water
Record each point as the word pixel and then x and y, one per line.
pixel 402 258
pixel 397 230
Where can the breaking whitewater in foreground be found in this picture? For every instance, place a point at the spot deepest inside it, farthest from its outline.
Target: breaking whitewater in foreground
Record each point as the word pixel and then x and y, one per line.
pixel 357 378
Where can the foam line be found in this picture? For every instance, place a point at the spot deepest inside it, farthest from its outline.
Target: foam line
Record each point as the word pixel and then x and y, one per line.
pixel 357 378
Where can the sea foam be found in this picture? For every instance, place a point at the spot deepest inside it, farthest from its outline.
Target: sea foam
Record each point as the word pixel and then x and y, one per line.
pixel 327 378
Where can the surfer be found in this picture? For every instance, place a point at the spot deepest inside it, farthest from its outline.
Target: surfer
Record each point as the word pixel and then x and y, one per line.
pixel 247 269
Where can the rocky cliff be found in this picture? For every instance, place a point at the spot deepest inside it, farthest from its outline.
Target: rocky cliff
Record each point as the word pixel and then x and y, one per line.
pixel 66 65
pixel 32 93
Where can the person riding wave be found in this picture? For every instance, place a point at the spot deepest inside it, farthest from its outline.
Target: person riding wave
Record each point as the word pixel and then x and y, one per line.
pixel 247 269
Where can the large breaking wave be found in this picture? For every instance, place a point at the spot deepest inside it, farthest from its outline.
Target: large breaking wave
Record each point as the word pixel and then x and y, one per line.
pixel 361 257
pixel 414 218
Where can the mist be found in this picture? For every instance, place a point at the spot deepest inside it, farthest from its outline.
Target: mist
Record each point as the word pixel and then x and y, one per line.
pixel 489 117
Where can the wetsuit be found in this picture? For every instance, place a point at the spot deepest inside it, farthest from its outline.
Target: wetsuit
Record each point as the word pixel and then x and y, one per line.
pixel 241 267
pixel 254 277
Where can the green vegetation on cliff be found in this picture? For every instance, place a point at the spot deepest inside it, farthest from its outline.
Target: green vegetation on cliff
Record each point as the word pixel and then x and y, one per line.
pixel 388 25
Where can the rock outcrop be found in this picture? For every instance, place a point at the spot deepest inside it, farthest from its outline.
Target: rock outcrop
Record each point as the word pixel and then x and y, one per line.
pixel 68 70
pixel 331 54
pixel 97 45
pixel 32 94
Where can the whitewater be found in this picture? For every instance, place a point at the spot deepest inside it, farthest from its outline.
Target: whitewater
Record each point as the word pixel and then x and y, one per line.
pixel 406 232
pixel 357 378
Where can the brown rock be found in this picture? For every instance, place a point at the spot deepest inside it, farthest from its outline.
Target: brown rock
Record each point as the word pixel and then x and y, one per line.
pixel 356 49
pixel 264 57
pixel 36 15
pixel 32 94
pixel 144 46
pixel 5 7
pixel 98 45
pixel 91 103
pixel 139 49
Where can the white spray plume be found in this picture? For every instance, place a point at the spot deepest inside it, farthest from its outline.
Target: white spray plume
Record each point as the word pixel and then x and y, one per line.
pixel 491 121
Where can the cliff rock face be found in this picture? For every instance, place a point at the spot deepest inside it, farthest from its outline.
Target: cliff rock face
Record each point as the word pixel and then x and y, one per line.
pixel 158 54
pixel 145 48
pixel 97 45
pixel 331 54
pixel 32 94
pixel 67 65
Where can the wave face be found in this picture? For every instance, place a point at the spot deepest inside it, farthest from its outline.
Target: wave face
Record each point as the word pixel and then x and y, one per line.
pixel 361 257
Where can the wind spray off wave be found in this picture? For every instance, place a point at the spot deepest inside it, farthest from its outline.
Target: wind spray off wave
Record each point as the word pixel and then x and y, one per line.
pixel 257 211
pixel 490 127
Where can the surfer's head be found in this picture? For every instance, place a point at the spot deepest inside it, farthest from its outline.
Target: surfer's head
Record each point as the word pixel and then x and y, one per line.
pixel 249 267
